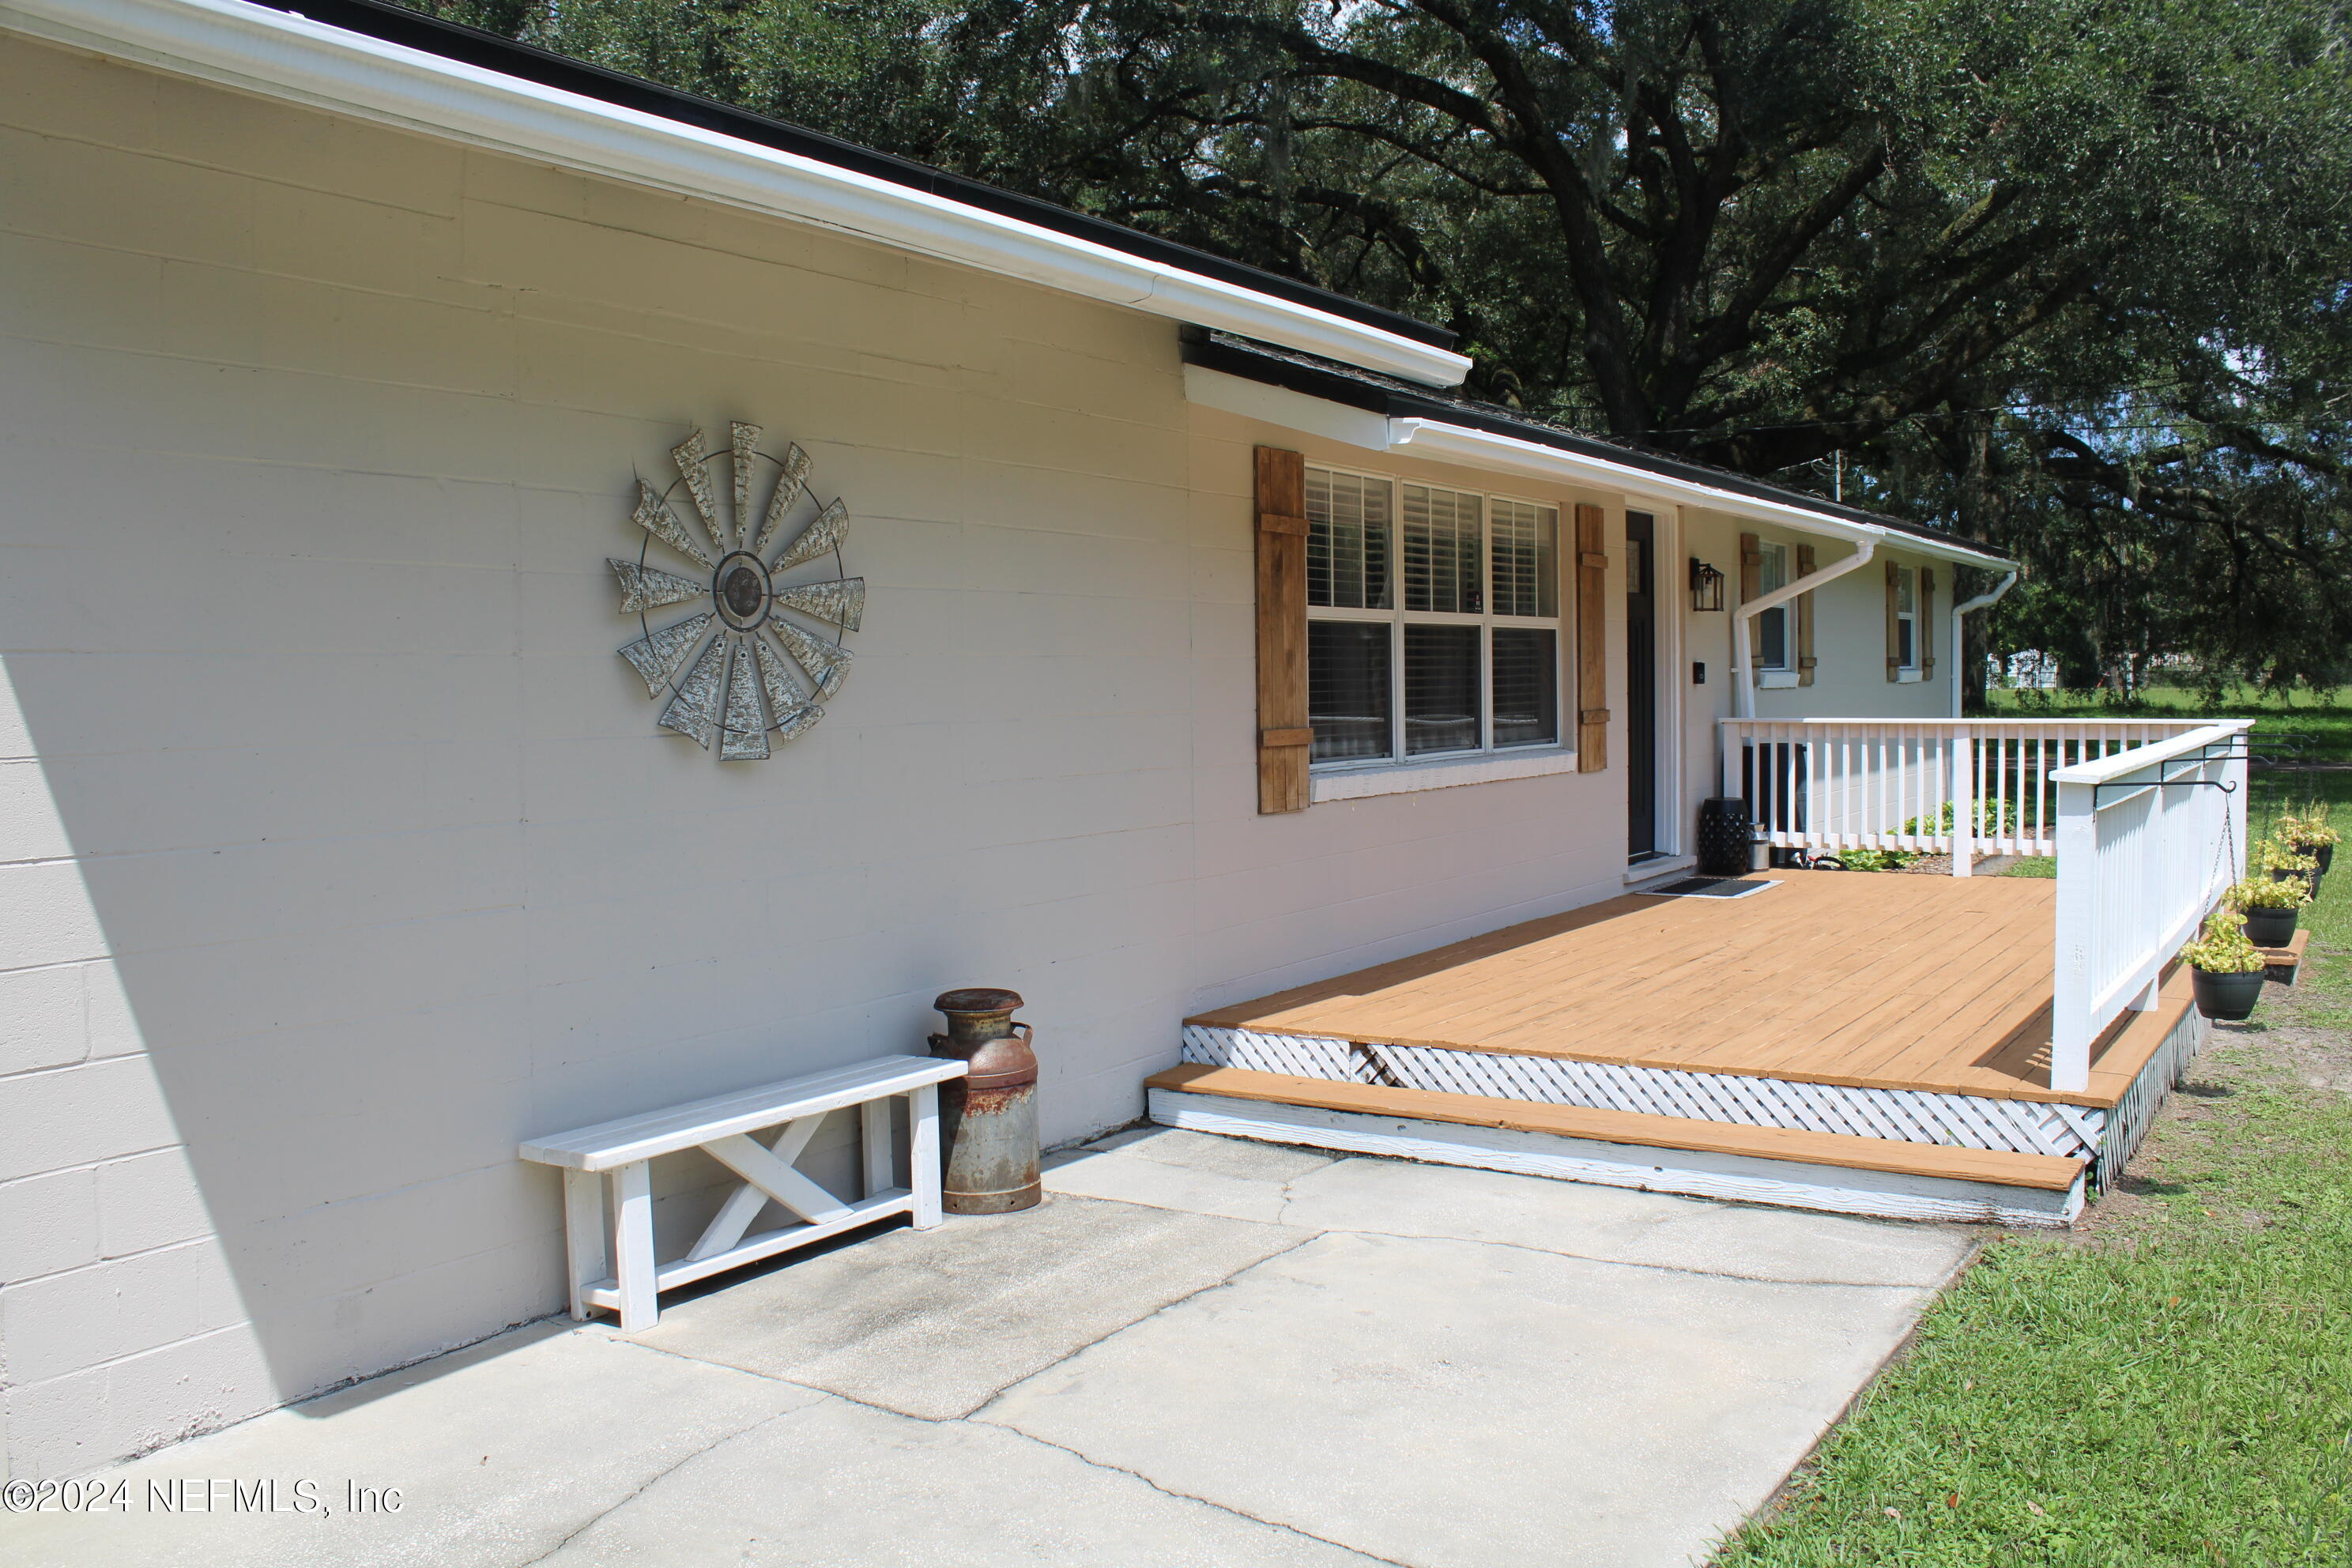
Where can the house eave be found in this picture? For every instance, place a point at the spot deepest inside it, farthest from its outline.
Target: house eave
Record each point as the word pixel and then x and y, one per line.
pixel 283 55
pixel 1390 420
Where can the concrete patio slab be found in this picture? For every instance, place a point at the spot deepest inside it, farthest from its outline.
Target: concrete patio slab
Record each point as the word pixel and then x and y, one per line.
pixel 1458 1404
pixel 848 1486
pixel 498 1453
pixel 1167 1168
pixel 1170 1168
pixel 933 1323
pixel 1197 1352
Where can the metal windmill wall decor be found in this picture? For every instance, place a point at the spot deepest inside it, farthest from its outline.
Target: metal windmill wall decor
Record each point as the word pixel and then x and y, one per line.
pixel 743 671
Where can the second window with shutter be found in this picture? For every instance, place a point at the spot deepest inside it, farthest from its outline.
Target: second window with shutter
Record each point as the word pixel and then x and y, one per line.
pixel 1434 622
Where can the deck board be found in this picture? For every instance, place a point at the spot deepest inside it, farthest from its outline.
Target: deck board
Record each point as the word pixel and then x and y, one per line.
pixel 1872 981
pixel 2044 1171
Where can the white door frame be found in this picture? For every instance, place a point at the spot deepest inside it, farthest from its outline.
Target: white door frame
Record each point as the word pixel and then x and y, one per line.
pixel 1667 595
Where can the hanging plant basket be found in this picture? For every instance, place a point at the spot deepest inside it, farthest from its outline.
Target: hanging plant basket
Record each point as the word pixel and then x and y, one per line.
pixel 2230 998
pixel 2271 927
pixel 2309 878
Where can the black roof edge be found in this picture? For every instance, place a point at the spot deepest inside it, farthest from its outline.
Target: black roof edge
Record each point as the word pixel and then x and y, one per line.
pixel 471 46
pixel 1282 369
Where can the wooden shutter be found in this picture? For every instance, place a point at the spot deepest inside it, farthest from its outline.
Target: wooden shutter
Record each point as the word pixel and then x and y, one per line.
pixel 1285 739
pixel 1591 642
pixel 1804 619
pixel 1894 627
pixel 1922 623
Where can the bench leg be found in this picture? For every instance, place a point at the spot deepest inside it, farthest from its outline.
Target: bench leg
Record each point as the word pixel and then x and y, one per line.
pixel 583 1236
pixel 873 1143
pixel 633 1265
pixel 923 1171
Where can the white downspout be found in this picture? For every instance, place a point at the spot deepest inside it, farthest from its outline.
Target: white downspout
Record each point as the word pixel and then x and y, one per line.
pixel 1983 601
pixel 1743 697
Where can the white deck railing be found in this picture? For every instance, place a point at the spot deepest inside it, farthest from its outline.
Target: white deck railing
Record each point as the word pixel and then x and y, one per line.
pixel 2147 818
pixel 2147 841
pixel 1827 784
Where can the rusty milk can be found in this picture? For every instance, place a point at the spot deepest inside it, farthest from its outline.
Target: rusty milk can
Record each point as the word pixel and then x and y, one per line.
pixel 987 1121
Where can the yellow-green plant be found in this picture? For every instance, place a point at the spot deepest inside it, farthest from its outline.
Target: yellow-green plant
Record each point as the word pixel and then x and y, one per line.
pixel 2276 854
pixel 2223 949
pixel 2309 827
pixel 2263 893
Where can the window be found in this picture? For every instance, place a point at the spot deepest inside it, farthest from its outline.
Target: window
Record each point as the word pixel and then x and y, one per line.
pixel 1433 620
pixel 1907 617
pixel 1772 646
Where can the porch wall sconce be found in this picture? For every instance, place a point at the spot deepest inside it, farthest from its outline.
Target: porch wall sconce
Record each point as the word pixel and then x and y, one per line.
pixel 1705 585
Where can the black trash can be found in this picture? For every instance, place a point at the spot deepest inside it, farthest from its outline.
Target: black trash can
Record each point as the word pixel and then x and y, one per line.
pixel 1724 832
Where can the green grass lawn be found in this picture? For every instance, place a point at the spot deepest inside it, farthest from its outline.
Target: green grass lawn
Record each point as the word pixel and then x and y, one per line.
pixel 2311 726
pixel 2172 1383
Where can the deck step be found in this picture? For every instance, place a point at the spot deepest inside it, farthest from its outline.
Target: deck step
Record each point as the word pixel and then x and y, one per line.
pixel 2281 963
pixel 1994 1165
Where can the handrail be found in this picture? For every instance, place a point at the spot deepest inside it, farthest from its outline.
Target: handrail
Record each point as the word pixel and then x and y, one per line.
pixel 2184 725
pixel 2107 770
pixel 2139 871
pixel 1924 786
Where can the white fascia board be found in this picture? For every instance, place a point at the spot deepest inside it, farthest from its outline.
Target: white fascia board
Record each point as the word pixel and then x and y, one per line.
pixel 1485 449
pixel 1291 410
pixel 282 56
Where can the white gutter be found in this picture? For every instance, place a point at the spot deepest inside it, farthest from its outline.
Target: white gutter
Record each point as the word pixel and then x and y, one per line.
pixel 1484 450
pixel 1983 601
pixel 278 55
pixel 1743 680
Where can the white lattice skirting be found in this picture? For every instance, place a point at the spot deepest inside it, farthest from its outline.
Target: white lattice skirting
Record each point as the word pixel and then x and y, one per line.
pixel 2129 1122
pixel 1953 1121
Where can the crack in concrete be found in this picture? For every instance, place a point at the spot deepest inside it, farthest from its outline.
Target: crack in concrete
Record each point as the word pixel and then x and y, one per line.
pixel 993 1395
pixel 602 1514
pixel 1092 1463
pixel 976 1414
pixel 1219 1284
pixel 967 1420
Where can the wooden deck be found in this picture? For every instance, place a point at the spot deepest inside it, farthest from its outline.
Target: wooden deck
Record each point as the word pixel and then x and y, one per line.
pixel 1872 981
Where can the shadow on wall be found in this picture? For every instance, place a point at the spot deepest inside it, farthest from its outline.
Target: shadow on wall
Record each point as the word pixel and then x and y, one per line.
pixel 297 965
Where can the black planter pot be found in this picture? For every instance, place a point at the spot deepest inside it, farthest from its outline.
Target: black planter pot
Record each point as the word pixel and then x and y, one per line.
pixel 2270 927
pixel 2310 880
pixel 2323 853
pixel 2228 997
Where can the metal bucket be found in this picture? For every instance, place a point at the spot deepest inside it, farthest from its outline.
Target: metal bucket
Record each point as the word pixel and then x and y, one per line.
pixel 988 1119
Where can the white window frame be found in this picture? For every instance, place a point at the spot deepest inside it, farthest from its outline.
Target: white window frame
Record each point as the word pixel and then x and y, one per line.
pixel 1906 582
pixel 1783 671
pixel 1466 763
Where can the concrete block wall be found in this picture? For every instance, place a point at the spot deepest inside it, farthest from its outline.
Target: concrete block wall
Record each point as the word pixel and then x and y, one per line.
pixel 338 852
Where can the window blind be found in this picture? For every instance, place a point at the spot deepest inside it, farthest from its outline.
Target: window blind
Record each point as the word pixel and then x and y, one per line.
pixel 1441 550
pixel 1347 539
pixel 1522 550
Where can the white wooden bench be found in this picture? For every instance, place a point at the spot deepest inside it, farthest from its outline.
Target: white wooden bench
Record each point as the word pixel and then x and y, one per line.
pixel 612 1251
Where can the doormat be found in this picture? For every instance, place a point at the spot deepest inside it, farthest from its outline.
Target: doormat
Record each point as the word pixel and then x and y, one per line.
pixel 1710 887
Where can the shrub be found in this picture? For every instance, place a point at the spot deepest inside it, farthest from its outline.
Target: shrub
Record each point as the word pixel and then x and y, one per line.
pixel 1983 814
pixel 1875 859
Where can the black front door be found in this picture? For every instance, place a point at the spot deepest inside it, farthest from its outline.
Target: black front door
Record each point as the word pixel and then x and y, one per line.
pixel 1641 685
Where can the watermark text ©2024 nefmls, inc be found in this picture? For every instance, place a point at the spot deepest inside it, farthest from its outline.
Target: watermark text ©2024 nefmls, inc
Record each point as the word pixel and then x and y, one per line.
pixel 199 1494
